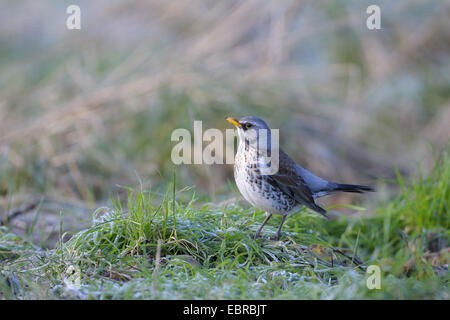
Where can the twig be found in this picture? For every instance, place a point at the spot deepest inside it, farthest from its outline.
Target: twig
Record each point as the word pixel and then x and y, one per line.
pixel 12 214
pixel 359 263
pixel 157 263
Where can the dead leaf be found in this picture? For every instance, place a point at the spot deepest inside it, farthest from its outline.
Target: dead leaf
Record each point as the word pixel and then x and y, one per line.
pixel 323 252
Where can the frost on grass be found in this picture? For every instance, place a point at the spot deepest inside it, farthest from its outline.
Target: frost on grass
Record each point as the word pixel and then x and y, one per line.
pixel 145 249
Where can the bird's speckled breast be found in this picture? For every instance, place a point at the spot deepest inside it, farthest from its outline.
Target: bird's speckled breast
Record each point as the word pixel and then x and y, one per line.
pixel 254 186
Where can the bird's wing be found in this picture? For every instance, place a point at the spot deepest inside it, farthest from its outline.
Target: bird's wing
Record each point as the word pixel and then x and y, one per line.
pixel 288 180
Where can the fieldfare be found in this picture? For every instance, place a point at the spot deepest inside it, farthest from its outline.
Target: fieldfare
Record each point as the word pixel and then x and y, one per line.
pixel 283 190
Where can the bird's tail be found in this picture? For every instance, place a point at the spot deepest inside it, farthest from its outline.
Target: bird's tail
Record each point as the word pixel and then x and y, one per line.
pixel 333 187
pixel 355 188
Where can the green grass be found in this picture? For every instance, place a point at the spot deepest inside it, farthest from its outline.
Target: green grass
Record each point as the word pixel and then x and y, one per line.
pixel 175 248
pixel 83 112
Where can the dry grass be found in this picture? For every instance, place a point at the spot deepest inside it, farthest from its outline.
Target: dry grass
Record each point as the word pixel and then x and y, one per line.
pixel 84 111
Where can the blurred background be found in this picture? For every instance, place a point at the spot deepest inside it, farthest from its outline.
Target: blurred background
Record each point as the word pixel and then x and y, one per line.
pixel 83 112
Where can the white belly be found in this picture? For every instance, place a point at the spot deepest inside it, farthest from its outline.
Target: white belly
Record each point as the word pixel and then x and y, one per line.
pixel 266 199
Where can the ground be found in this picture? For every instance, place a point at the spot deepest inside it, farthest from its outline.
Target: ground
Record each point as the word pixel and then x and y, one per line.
pixel 183 249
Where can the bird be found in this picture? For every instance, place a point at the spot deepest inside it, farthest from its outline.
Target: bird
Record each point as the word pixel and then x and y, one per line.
pixel 280 191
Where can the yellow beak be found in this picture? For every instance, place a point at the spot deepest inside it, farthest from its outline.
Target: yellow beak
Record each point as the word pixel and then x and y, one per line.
pixel 233 121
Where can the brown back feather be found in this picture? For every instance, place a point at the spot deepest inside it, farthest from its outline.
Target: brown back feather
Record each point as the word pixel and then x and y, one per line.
pixel 291 183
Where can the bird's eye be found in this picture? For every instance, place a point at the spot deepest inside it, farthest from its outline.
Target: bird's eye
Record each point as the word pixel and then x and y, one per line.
pixel 248 125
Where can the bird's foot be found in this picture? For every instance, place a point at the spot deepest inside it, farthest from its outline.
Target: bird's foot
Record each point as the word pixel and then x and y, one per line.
pixel 276 237
pixel 256 236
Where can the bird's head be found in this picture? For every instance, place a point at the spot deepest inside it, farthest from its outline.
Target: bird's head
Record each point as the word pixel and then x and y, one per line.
pixel 252 130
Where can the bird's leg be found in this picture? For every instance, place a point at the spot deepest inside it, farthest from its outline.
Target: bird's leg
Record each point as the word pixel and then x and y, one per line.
pixel 278 234
pixel 268 215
